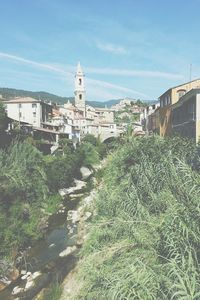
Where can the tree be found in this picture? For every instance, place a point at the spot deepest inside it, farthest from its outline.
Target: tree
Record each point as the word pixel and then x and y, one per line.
pixel 3 118
pixel 90 138
pixel 88 154
pixel 140 103
pixel 66 146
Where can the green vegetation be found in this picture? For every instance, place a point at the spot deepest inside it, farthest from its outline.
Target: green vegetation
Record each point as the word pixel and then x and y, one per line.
pixel 61 171
pixel 140 103
pixel 54 293
pixel 23 191
pixel 144 240
pixel 126 117
pixel 101 149
pixel 29 185
pixel 4 138
pixel 3 118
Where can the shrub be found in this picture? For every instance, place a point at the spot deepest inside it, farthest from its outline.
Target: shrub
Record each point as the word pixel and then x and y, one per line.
pixel 23 189
pixel 61 171
pixel 144 240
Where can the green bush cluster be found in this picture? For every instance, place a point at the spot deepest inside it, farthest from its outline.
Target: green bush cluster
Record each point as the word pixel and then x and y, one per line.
pixel 3 118
pixel 29 185
pixel 144 240
pixel 100 150
pixel 64 167
pixel 23 190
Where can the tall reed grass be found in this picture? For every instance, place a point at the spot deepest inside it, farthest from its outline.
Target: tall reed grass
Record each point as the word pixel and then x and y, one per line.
pixel 144 242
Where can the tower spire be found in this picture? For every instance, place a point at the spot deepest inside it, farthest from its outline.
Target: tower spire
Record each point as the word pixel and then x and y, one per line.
pixel 79 69
pixel 80 89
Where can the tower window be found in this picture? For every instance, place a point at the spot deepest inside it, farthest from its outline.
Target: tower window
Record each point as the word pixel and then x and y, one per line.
pixel 80 81
pixel 80 97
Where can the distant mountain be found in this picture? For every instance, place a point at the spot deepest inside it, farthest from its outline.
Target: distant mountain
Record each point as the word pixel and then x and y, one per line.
pixel 108 103
pixel 8 93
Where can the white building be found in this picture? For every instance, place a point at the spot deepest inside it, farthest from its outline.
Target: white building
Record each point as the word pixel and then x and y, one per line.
pixel 71 111
pixel 147 112
pixel 123 104
pixel 29 110
pixel 102 131
pixel 66 127
pixel 104 115
pixel 41 119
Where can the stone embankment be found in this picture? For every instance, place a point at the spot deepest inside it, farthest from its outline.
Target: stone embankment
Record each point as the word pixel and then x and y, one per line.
pixel 70 284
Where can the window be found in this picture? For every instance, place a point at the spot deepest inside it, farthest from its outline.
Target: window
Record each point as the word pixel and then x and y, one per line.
pixel 191 111
pixel 181 93
pixel 20 115
pixel 80 97
pixel 80 81
pixel 20 105
pixel 34 114
pixel 34 105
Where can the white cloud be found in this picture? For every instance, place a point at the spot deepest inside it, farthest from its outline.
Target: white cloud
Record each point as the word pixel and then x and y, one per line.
pixel 133 73
pixel 115 87
pixel 114 49
pixel 107 71
pixel 103 88
pixel 33 63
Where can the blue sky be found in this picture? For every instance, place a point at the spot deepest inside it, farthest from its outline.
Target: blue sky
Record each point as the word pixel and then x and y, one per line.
pixel 127 48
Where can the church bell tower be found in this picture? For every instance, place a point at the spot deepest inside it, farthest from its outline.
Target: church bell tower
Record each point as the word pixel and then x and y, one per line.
pixel 80 89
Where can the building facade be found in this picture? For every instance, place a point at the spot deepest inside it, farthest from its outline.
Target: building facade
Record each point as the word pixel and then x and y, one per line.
pixel 170 97
pixel 29 110
pixel 149 118
pixel 186 115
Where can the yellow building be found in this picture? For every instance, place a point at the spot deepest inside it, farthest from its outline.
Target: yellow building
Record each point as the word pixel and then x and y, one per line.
pixel 186 115
pixel 169 98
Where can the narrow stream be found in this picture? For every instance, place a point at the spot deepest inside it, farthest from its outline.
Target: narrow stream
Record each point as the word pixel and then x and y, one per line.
pixel 44 255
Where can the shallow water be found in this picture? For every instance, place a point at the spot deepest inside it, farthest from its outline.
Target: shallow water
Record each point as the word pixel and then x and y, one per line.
pixel 44 255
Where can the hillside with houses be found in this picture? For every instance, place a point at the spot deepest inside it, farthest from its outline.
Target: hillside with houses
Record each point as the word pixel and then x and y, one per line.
pixel 48 121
